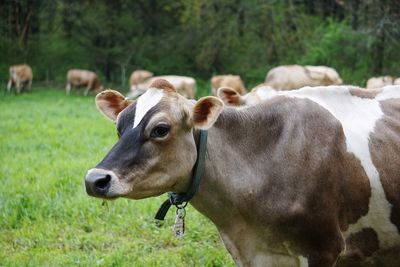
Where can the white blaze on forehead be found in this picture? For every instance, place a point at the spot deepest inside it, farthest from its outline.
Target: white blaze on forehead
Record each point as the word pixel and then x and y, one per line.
pixel 145 102
pixel 358 117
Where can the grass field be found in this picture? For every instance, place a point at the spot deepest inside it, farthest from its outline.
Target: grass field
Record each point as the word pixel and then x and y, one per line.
pixel 47 143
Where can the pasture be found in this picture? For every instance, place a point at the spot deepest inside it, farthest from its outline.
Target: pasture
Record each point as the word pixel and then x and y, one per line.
pixel 48 142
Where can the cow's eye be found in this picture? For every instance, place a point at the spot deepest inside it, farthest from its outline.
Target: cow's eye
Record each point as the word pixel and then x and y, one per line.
pixel 160 130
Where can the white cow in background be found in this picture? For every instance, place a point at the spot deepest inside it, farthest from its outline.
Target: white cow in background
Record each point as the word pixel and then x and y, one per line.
pixel 295 76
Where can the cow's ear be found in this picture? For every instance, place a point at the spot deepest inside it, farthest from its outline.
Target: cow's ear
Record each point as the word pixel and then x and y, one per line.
pixel 229 96
pixel 111 103
pixel 206 111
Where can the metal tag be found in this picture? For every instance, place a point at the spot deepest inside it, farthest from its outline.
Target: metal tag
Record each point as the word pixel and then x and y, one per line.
pixel 179 226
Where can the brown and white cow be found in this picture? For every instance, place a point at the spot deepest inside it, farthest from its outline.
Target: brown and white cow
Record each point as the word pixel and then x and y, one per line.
pixel 21 77
pixel 308 178
pixel 295 76
pixel 83 78
pixel 138 77
pixel 231 81
pixel 184 85
pixel 379 82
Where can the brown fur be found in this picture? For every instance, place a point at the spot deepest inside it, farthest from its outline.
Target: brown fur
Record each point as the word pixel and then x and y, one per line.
pixel 385 152
pixel 362 244
pixel 357 192
pixel 365 93
pixel 83 78
pixel 111 103
pixel 232 81
pixel 201 112
pixel 229 96
pixel 21 77
pixel 388 257
pixel 163 84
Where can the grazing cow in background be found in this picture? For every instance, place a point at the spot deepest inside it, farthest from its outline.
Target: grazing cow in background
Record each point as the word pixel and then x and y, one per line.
pixel 185 86
pixel 379 82
pixel 296 76
pixel 259 93
pixel 292 181
pixel 138 77
pixel 232 81
pixel 83 78
pixel 21 77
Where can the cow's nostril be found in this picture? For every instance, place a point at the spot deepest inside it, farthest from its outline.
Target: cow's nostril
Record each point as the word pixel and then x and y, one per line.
pixel 102 183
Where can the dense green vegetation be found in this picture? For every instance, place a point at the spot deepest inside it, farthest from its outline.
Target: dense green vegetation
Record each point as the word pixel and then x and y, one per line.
pixel 48 142
pixel 200 38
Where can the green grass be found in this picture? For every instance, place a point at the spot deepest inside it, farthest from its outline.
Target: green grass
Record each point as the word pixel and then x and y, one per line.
pixel 47 143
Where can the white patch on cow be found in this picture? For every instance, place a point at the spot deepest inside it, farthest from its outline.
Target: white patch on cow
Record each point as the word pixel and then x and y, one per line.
pixel 145 102
pixel 358 117
pixel 266 92
pixel 392 91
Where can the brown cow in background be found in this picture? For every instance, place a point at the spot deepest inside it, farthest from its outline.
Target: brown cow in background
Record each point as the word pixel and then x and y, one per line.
pixel 296 76
pixel 138 77
pixel 83 78
pixel 231 81
pixel 21 77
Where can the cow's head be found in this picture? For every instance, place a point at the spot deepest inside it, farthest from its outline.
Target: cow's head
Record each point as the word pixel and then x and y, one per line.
pixel 156 149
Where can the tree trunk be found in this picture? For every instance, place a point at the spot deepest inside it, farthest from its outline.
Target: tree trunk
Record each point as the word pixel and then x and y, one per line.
pixel 378 53
pixel 354 14
pixel 107 71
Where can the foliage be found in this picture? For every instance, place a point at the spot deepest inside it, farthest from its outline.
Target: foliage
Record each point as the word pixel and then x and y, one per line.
pixel 336 45
pixel 46 217
pixel 199 38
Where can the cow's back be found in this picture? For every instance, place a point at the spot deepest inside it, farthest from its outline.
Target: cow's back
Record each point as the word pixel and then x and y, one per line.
pixel 232 81
pixel 295 76
pixel 21 73
pixel 379 82
pixel 79 77
pixel 287 77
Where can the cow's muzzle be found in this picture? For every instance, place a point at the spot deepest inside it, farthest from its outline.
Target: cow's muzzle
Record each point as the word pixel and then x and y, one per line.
pixel 98 182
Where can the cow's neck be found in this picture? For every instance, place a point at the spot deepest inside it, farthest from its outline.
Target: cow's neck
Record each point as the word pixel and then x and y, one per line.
pixel 234 144
pixel 227 193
